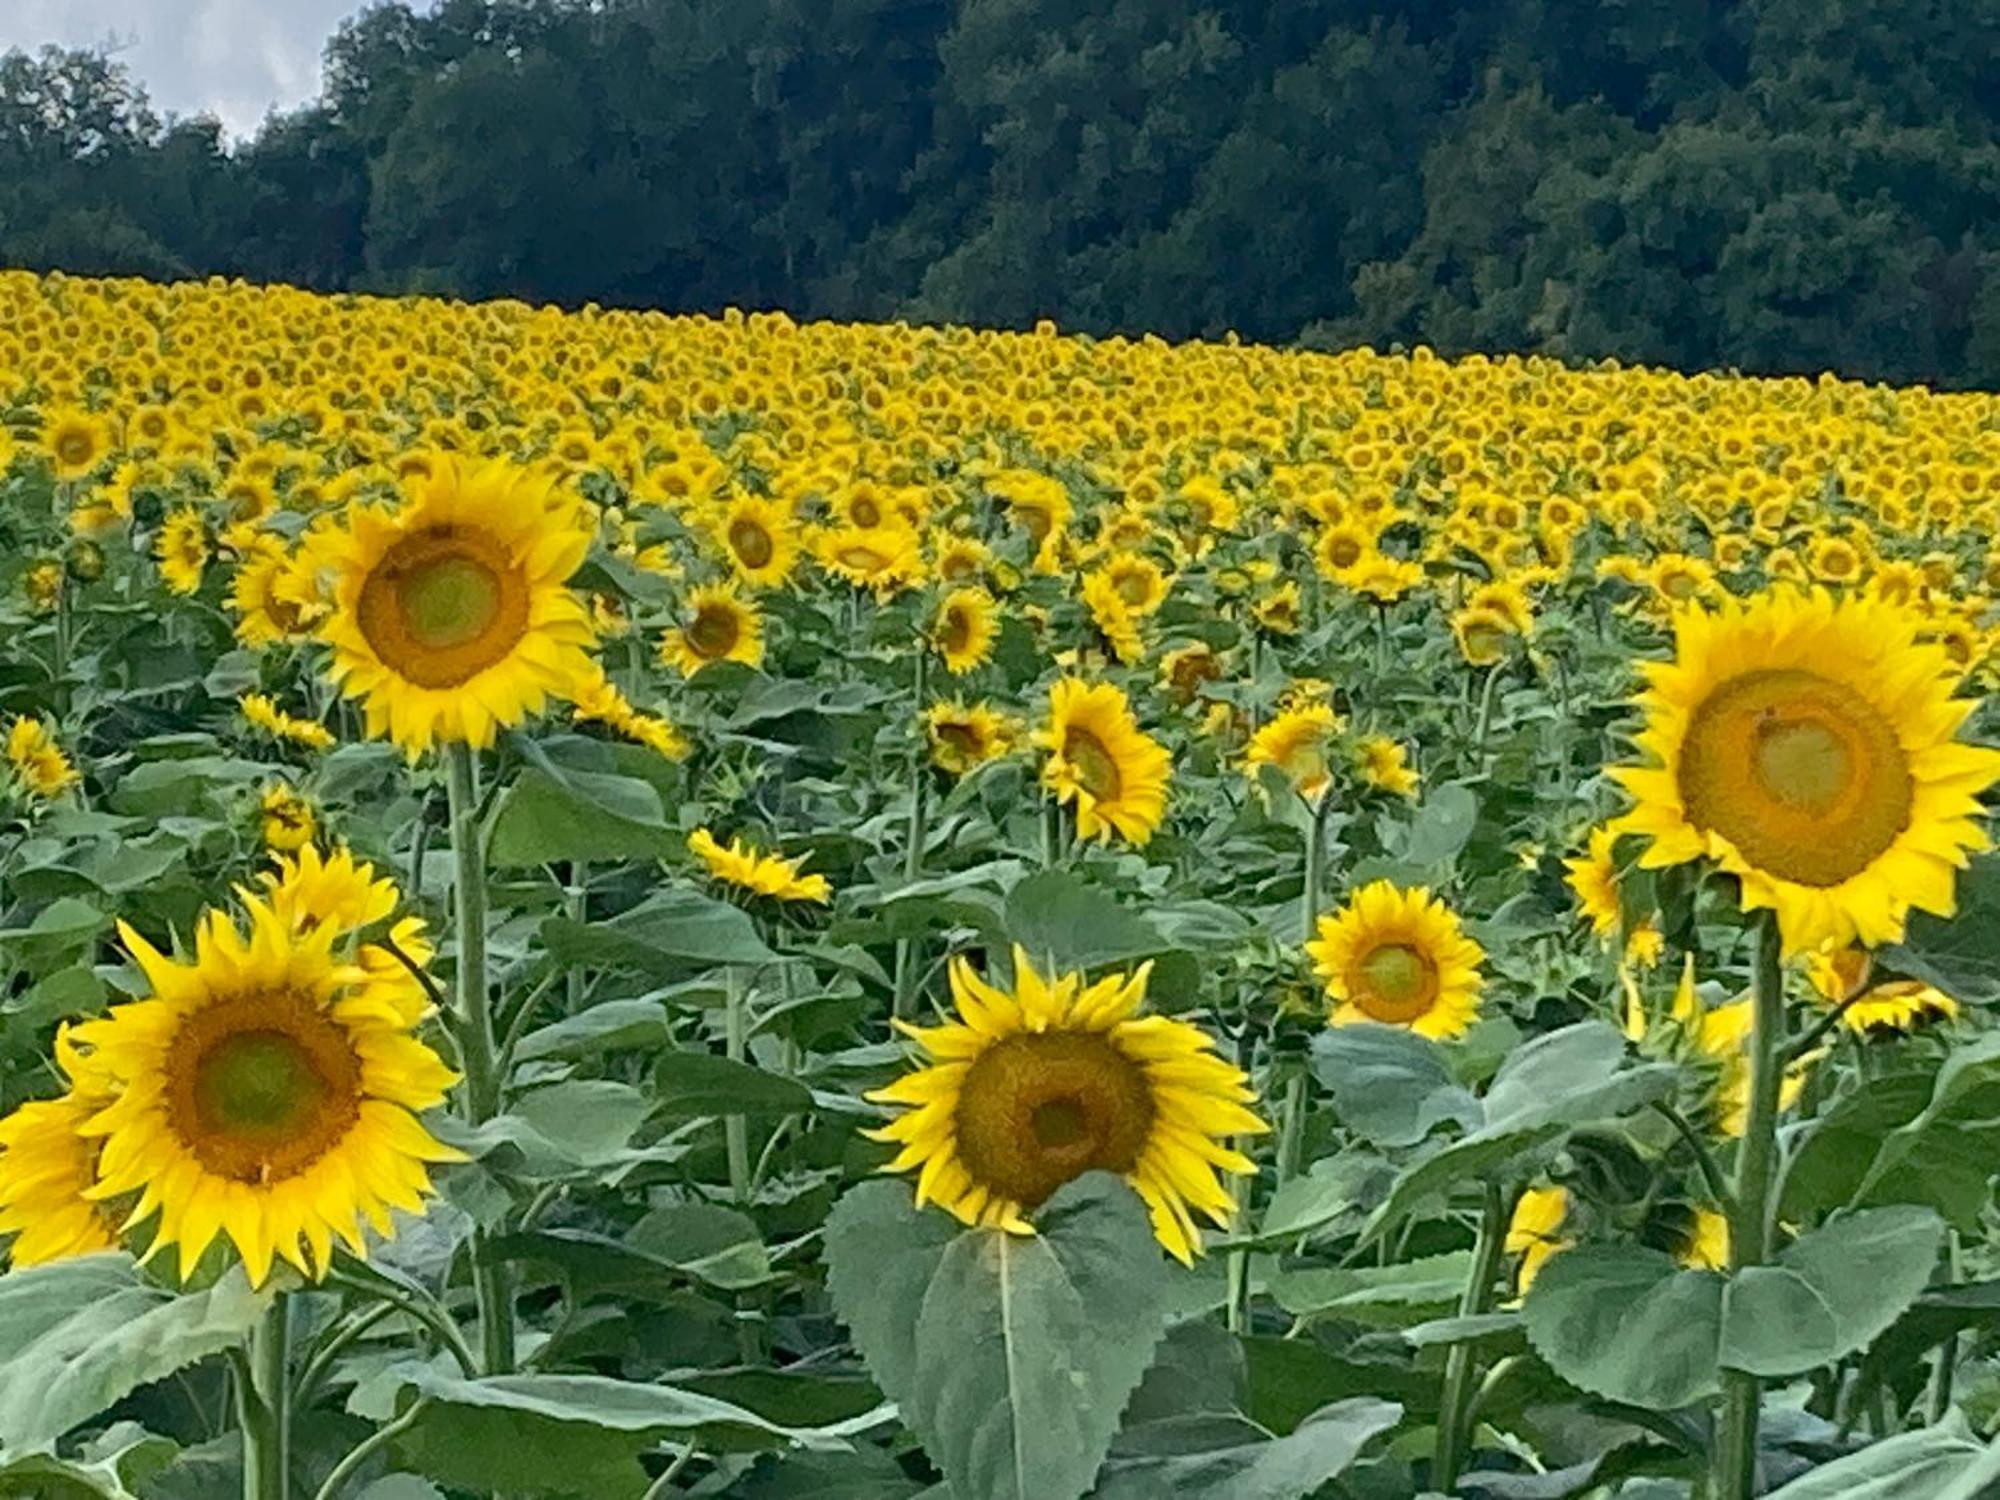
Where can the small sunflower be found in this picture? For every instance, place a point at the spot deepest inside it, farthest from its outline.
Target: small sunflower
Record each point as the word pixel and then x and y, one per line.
pixel 1399 957
pixel 182 549
pixel 964 737
pixel 48 1167
pixel 760 874
pixel 288 818
pixel 886 559
pixel 1102 761
pixel 1593 879
pixel 1385 765
pixel 38 761
pixel 76 441
pixel 451 618
pixel 263 617
pixel 260 711
pixel 1843 977
pixel 1806 745
pixel 1484 634
pixel 1030 1088
pixel 964 629
pixel 716 625
pixel 265 1095
pixel 1113 618
pixel 760 539
pixel 1299 742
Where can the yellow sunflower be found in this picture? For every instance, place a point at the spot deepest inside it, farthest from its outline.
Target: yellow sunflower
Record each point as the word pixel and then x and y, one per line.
pixel 716 625
pixel 1535 1232
pixel 964 629
pixel 1484 634
pixel 76 440
pixel 263 616
pixel 1399 957
pixel 262 712
pixel 48 1167
pixel 288 818
pixel 1102 761
pixel 1030 1088
pixel 1806 745
pixel 1113 617
pixel 1841 976
pixel 182 549
pixel 964 737
pixel 1385 765
pixel 451 619
pixel 886 559
pixel 38 761
pixel 760 874
pixel 265 1095
pixel 760 539
pixel 1593 878
pixel 1299 742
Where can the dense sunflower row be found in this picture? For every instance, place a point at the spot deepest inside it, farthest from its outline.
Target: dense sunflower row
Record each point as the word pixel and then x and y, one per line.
pixel 1205 627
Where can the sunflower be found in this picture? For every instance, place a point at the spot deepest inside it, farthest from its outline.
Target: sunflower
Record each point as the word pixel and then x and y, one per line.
pixel 1721 1036
pixel 263 618
pixel 182 549
pixel 451 618
pixel 266 1095
pixel 1807 746
pixel 1400 958
pixel 1101 760
pixel 1842 977
pixel 1139 581
pixel 964 629
pixel 1277 612
pixel 1113 617
pixel 964 737
pixel 38 761
pixel 1535 1232
pixel 1343 547
pixel 886 559
pixel 1385 765
pixel 959 559
pixel 1593 878
pixel 260 711
pixel 1032 1087
pixel 760 539
pixel 1299 743
pixel 48 1167
pixel 717 625
pixel 601 702
pixel 1484 634
pixel 760 874
pixel 288 818
pixel 1184 669
pixel 309 891
pixel 76 441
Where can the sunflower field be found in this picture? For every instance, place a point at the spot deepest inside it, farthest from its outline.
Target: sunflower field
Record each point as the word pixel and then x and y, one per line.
pixel 608 905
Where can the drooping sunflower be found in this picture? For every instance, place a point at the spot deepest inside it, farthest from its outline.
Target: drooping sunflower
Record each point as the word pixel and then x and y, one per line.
pixel 1299 742
pixel 1103 762
pixel 1113 617
pixel 760 874
pixel 1844 977
pixel 265 1094
pixel 1399 958
pixel 760 539
pixel 716 625
pixel 1385 765
pixel 1806 745
pixel 1592 877
pixel 886 559
pixel 48 1167
pixel 182 549
pixel 262 712
pixel 451 619
pixel 263 616
pixel 964 629
pixel 964 737
pixel 1031 1087
pixel 1484 634
pixel 38 761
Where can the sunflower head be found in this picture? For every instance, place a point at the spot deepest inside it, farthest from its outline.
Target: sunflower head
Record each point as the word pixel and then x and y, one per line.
pixel 964 629
pixel 1102 762
pixel 964 737
pixel 738 865
pixel 1033 1086
pixel 1399 958
pixel 1298 742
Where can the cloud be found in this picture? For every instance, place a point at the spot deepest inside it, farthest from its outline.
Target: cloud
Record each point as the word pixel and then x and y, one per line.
pixel 235 59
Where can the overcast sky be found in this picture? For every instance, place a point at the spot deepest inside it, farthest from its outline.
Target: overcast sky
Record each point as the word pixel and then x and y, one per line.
pixel 232 58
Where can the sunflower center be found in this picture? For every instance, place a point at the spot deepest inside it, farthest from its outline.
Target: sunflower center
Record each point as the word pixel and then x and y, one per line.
pixel 1132 589
pixel 1344 552
pixel 713 633
pixel 863 559
pixel 1394 983
pixel 443 605
pixel 1801 773
pixel 261 1086
pixel 957 630
pixel 960 737
pixel 74 448
pixel 751 543
pixel 1096 767
pixel 1039 1109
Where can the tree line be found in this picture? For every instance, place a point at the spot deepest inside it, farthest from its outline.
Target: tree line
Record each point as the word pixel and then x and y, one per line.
pixel 1776 185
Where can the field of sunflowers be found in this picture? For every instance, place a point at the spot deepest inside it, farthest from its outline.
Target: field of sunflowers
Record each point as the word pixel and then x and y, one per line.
pixel 605 905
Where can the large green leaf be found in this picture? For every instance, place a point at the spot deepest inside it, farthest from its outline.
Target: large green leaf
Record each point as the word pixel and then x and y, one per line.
pixel 1012 1357
pixel 1389 1085
pixel 663 937
pixel 554 1131
pixel 1394 1295
pixel 1627 1323
pixel 1959 954
pixel 1936 1463
pixel 560 813
pixel 614 1026
pixel 1957 1132
pixel 1253 1466
pixel 76 1336
pixel 691 1084
pixel 1830 1292
pixel 1063 922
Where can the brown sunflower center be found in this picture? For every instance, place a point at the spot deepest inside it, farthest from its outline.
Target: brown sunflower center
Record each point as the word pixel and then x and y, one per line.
pixel 1035 520
pixel 714 631
pixel 1394 982
pixel 443 605
pixel 962 738
pixel 74 449
pixel 261 1086
pixel 1039 1109
pixel 1096 767
pixel 956 632
pixel 1677 585
pixel 1803 775
pixel 1343 552
pixel 751 543
pixel 863 559
pixel 1133 588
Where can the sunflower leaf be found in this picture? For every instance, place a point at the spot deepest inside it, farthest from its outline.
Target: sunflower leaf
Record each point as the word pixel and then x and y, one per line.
pixel 1944 1462
pixel 1256 1465
pixel 1628 1323
pixel 77 1336
pixel 561 813
pixel 1012 1356
pixel 1960 954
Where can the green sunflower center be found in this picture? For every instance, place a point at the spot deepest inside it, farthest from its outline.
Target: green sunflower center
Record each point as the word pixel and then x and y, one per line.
pixel 1096 767
pixel 751 543
pixel 1039 1109
pixel 443 605
pixel 260 1086
pixel 714 632
pixel 1397 983
pixel 450 601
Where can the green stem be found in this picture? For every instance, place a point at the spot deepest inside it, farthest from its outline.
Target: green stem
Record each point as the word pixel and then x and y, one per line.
pixel 491 1278
pixel 1455 1408
pixel 1292 1127
pixel 1946 1370
pixel 913 838
pixel 736 1126
pixel 1485 727
pixel 1750 1211
pixel 664 1485
pixel 1291 1136
pixel 263 1408
pixel 369 1446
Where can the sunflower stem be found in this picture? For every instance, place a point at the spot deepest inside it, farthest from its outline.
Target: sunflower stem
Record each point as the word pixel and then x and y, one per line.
pixel 914 837
pixel 481 1099
pixel 736 1126
pixel 1750 1210
pixel 1485 724
pixel 263 1407
pixel 1454 1431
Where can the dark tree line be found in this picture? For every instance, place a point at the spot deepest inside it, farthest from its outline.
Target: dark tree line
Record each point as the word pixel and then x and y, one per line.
pixel 1782 185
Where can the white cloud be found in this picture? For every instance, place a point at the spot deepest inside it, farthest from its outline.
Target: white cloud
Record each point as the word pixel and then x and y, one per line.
pixel 235 59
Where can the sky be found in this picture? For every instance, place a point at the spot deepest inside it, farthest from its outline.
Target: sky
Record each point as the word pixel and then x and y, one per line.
pixel 235 59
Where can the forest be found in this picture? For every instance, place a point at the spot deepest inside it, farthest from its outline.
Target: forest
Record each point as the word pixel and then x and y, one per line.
pixel 1779 186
